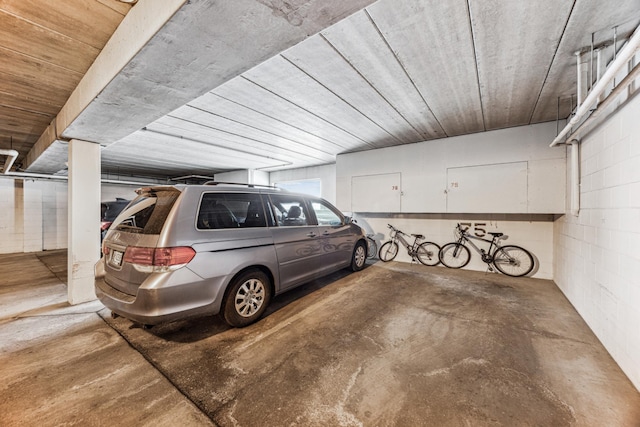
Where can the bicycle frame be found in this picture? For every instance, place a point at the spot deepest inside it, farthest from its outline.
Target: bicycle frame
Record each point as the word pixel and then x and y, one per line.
pixel 511 260
pixel 399 236
pixel 465 237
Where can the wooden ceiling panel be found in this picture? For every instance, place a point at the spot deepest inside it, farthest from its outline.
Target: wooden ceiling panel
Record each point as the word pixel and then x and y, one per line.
pixel 20 35
pixel 20 129
pixel 20 88
pixel 88 21
pixel 23 121
pixel 45 49
pixel 27 102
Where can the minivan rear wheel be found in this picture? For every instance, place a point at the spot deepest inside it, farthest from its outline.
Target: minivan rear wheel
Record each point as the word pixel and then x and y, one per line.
pixel 248 297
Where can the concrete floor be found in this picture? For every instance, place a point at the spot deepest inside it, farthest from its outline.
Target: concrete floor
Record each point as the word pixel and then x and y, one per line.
pixel 395 344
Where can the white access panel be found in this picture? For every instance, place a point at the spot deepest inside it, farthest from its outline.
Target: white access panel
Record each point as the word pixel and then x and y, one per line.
pixel 376 193
pixel 496 188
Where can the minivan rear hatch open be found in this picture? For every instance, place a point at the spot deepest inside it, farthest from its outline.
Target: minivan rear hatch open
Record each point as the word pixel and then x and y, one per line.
pixel 130 247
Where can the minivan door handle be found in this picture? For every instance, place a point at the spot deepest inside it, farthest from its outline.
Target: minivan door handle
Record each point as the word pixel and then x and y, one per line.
pixel 311 234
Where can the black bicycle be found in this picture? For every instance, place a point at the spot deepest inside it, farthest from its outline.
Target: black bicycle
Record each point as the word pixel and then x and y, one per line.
pixel 510 259
pixel 425 252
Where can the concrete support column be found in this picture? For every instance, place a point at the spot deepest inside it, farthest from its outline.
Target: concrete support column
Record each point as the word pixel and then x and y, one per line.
pixel 84 219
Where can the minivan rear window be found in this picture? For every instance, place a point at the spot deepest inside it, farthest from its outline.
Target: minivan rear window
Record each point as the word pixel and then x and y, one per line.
pixel 147 213
pixel 230 210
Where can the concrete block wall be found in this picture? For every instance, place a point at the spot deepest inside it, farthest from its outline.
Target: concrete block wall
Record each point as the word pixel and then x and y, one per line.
pixel 34 215
pixel 11 216
pixel 54 218
pixel 598 252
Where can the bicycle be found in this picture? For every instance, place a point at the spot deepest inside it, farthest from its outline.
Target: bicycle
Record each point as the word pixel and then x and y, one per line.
pixel 372 248
pixel 511 260
pixel 425 252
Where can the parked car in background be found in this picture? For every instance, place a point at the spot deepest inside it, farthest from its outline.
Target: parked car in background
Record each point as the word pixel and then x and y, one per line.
pixel 108 213
pixel 181 251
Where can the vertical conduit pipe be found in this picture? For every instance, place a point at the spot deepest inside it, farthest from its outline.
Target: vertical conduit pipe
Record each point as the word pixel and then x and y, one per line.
pixel 575 177
pixel 598 72
pixel 579 80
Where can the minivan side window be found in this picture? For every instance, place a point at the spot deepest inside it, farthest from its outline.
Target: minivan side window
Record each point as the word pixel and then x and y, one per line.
pixel 289 210
pixel 230 210
pixel 325 215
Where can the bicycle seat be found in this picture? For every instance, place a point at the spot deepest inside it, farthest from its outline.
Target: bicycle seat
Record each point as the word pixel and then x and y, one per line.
pixel 418 236
pixel 497 234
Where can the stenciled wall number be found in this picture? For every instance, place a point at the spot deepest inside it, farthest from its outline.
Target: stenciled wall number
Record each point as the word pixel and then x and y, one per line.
pixel 478 228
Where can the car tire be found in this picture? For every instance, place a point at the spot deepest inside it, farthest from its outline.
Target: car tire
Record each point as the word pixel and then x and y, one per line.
pixel 359 256
pixel 247 298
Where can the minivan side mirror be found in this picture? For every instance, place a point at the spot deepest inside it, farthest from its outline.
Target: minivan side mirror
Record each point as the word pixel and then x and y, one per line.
pixel 348 220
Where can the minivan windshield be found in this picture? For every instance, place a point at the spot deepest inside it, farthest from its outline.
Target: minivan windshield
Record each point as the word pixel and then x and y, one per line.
pixel 147 213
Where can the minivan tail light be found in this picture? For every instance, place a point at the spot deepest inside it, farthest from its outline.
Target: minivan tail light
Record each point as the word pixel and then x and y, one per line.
pixel 158 259
pixel 173 256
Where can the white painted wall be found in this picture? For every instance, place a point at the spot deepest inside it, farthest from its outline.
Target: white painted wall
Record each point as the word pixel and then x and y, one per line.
pixel 326 173
pixel 598 252
pixel 425 167
pixel 239 176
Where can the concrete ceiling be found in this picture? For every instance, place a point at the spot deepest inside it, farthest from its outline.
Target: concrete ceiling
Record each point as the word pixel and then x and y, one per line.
pixel 269 85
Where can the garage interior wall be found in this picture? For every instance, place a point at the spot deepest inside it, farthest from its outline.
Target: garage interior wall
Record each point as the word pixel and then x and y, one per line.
pixel 326 174
pixel 598 252
pixel 410 187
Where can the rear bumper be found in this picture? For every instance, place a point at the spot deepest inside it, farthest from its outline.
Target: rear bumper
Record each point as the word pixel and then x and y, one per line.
pixel 163 297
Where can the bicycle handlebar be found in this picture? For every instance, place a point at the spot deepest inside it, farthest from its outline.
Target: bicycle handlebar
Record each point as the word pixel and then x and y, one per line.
pixel 396 230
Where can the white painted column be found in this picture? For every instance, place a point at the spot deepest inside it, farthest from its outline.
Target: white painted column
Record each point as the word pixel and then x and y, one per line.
pixel 84 219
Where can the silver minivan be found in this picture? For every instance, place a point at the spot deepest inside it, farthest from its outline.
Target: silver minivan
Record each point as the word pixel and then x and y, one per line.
pixel 182 251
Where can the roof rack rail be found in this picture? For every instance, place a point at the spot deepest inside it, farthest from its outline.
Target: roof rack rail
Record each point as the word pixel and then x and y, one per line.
pixel 242 184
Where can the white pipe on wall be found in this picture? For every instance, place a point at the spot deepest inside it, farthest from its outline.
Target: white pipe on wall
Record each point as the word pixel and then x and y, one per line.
pixel 621 60
pixel 626 82
pixel 575 177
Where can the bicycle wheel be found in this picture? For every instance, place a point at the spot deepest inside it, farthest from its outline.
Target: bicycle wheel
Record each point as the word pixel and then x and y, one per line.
pixel 427 253
pixel 513 261
pixel 372 249
pixel 388 251
pixel 454 255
